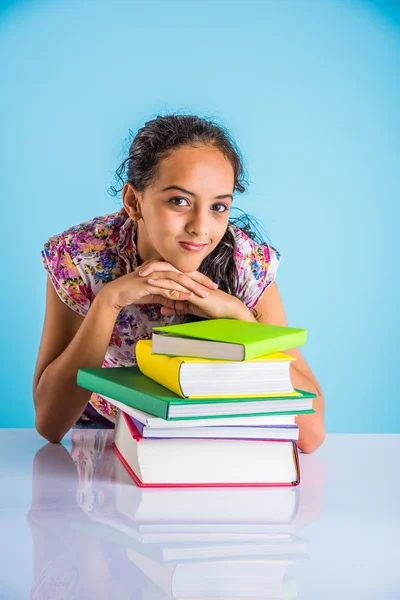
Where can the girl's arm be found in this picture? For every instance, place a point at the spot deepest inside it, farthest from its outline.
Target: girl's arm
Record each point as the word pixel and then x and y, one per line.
pixel 311 427
pixel 69 342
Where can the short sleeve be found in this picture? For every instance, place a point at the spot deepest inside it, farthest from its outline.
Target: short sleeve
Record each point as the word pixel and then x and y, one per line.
pixel 257 265
pixel 66 276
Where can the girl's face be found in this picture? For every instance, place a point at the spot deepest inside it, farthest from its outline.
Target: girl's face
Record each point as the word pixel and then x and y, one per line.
pixel 184 212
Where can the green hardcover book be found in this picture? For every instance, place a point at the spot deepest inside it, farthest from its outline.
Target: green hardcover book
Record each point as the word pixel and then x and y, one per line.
pixel 228 339
pixel 127 386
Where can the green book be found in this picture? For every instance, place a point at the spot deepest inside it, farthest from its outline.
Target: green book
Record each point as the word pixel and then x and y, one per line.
pixel 227 339
pixel 127 386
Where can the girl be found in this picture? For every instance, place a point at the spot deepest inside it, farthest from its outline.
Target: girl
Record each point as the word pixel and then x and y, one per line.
pixel 170 254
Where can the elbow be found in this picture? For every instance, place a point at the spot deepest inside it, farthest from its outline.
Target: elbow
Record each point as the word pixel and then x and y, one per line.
pixel 43 423
pixel 313 442
pixel 47 432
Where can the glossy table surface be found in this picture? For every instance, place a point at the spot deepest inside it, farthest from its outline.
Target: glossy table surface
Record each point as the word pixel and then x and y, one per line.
pixel 73 525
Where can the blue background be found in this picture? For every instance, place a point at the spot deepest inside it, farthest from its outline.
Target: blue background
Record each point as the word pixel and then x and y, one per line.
pixel 309 89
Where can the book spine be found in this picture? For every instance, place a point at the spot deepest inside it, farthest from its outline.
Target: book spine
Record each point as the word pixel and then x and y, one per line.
pixel 163 369
pixel 121 393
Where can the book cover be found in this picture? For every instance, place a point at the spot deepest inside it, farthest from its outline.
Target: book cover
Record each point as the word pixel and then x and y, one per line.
pixel 127 385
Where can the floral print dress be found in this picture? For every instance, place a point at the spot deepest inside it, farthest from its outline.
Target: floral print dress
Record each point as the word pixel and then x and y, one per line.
pixel 84 258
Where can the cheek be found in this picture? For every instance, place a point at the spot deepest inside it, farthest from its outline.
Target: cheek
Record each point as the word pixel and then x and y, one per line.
pixel 159 227
pixel 218 232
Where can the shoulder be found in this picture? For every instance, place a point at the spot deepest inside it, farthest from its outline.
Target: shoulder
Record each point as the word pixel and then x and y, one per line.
pixel 93 236
pixel 81 259
pixel 257 265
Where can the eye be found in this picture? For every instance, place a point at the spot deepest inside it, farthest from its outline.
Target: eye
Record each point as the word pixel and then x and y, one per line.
pixel 224 207
pixel 175 201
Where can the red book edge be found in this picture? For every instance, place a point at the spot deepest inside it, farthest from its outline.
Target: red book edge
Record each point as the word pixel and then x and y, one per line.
pixel 136 435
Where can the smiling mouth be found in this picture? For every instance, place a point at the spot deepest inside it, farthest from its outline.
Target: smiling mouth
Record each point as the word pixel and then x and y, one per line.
pixel 192 247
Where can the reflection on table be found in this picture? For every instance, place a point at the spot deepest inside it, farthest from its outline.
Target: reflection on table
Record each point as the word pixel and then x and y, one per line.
pixel 97 535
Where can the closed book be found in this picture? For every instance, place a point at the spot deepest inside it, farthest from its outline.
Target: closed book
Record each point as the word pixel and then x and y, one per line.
pixel 258 432
pixel 194 462
pixel 229 339
pixel 127 385
pixel 156 423
pixel 211 378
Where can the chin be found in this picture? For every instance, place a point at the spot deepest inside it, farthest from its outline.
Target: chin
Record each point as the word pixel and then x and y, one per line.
pixel 189 266
pixel 186 265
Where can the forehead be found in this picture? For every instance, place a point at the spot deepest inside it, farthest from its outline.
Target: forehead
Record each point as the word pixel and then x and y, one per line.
pixel 196 166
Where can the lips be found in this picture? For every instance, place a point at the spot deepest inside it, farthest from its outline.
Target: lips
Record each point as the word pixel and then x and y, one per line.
pixel 192 247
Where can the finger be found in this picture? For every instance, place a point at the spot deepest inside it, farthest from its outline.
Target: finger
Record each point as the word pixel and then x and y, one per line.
pixel 203 279
pixel 150 266
pixel 195 275
pixel 170 280
pixel 185 281
pixel 155 265
pixel 171 292
pixel 146 263
pixel 156 299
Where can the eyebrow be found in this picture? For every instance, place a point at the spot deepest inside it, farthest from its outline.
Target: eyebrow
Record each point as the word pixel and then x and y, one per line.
pixel 177 187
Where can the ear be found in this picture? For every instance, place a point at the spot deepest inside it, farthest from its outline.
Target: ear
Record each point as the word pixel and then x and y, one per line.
pixel 132 200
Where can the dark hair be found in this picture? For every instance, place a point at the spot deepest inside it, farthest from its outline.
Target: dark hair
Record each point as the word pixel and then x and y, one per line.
pixel 155 141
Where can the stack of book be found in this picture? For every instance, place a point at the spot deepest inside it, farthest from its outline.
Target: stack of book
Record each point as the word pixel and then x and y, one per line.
pixel 210 403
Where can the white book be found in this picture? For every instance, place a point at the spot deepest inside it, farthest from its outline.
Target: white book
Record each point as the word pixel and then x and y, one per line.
pixel 205 462
pixel 259 432
pixel 232 432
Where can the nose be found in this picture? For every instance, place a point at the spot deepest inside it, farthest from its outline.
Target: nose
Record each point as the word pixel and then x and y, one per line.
pixel 197 224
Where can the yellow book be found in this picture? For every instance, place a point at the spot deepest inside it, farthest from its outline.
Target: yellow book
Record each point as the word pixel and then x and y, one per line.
pixel 263 377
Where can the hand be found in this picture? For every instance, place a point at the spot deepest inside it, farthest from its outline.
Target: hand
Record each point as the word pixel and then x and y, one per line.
pixel 217 305
pixel 133 288
pixel 159 271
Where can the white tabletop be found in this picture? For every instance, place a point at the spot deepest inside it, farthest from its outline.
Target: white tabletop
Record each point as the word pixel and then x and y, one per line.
pixel 63 534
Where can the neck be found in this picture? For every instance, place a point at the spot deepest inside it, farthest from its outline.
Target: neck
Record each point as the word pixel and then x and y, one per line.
pixel 144 249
